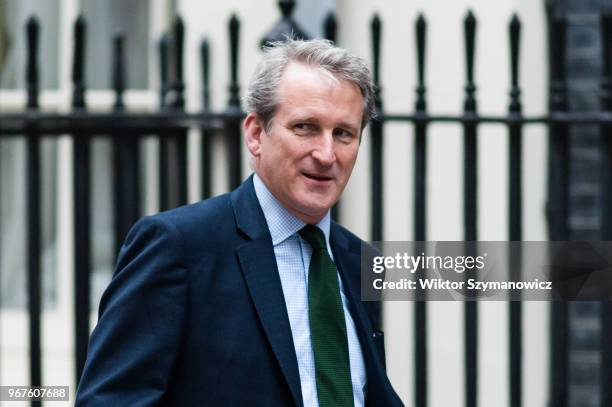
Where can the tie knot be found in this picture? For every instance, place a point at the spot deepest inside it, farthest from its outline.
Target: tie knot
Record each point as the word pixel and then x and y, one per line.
pixel 314 236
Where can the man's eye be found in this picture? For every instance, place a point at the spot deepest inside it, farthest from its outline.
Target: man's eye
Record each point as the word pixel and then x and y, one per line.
pixel 304 127
pixel 343 135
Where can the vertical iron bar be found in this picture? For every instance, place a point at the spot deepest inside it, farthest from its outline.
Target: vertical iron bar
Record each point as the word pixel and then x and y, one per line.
pixel 233 111
pixel 164 46
pixel 118 83
pixel 179 40
pixel 206 133
pixel 376 132
pixel 125 156
pixel 420 212
pixel 470 210
pixel 420 167
pixel 330 28
pixel 34 210
pixel 173 145
pixel 558 140
pixel 179 140
pixel 82 204
pixel 606 205
pixel 516 218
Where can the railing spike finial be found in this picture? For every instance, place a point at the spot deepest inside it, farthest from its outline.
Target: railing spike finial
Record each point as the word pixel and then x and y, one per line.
pixel 470 36
pixel 118 73
pixel 470 39
pixel 330 27
pixel 234 30
pixel 78 67
pixel 286 27
pixel 32 77
pixel 175 95
pixel 205 64
pixel 515 36
pixel 179 36
pixel 421 31
pixel 376 26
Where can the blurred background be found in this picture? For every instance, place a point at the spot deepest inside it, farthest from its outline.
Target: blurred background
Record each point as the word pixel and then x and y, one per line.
pixel 491 117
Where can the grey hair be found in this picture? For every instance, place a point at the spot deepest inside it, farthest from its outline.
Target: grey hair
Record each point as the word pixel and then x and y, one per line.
pixel 261 97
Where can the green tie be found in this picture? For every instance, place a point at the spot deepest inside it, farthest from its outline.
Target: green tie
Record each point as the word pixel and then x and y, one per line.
pixel 327 325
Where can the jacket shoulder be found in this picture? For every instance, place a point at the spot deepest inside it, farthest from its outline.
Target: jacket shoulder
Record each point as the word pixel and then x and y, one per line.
pixel 197 222
pixel 206 210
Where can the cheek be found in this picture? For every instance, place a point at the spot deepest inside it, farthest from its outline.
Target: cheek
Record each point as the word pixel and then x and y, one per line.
pixel 347 159
pixel 286 152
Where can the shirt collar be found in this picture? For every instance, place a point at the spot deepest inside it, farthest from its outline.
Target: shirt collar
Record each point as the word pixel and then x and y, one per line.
pixel 282 223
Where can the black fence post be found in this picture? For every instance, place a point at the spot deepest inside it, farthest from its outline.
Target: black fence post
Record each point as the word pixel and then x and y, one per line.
pixel 558 140
pixel 125 156
pixel 330 27
pixel 376 133
pixel 82 204
pixel 606 202
pixel 470 210
pixel 206 133
pixel 515 219
pixel 420 213
pixel 233 111
pixel 173 145
pixel 164 57
pixel 178 140
pixel 34 212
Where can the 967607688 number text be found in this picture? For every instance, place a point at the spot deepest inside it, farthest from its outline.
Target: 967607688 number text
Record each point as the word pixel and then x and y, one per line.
pixel 34 393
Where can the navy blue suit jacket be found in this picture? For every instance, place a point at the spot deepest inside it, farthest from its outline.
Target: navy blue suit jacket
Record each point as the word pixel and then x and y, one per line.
pixel 195 314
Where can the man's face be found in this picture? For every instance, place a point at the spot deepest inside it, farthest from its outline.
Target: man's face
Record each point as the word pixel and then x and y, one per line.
pixel 307 157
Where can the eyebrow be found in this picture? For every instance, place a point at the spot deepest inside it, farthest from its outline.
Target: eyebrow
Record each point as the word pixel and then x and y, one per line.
pixel 305 119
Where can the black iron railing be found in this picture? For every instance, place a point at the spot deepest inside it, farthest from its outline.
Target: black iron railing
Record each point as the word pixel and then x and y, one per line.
pixel 171 123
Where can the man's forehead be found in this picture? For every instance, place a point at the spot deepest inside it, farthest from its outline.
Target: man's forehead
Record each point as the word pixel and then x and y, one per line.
pixel 298 75
pixel 306 91
pixel 299 70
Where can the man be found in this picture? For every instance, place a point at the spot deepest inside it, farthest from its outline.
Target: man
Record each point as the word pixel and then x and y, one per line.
pixel 253 297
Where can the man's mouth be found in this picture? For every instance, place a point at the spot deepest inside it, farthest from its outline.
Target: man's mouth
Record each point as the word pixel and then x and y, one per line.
pixel 317 177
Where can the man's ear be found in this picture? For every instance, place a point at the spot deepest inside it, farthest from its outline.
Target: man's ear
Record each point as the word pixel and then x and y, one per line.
pixel 253 130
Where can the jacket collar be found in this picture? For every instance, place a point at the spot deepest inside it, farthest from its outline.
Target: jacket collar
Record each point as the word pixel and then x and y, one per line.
pixel 249 217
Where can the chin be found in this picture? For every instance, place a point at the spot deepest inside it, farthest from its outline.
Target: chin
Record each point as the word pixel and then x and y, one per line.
pixel 312 204
pixel 316 210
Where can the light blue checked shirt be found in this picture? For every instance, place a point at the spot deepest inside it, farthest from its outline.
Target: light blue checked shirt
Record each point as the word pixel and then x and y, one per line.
pixel 293 259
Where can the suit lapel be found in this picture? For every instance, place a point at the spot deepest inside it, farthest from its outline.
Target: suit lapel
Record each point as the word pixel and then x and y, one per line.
pixel 258 265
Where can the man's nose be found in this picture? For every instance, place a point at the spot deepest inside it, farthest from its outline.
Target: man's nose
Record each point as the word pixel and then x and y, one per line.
pixel 324 150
